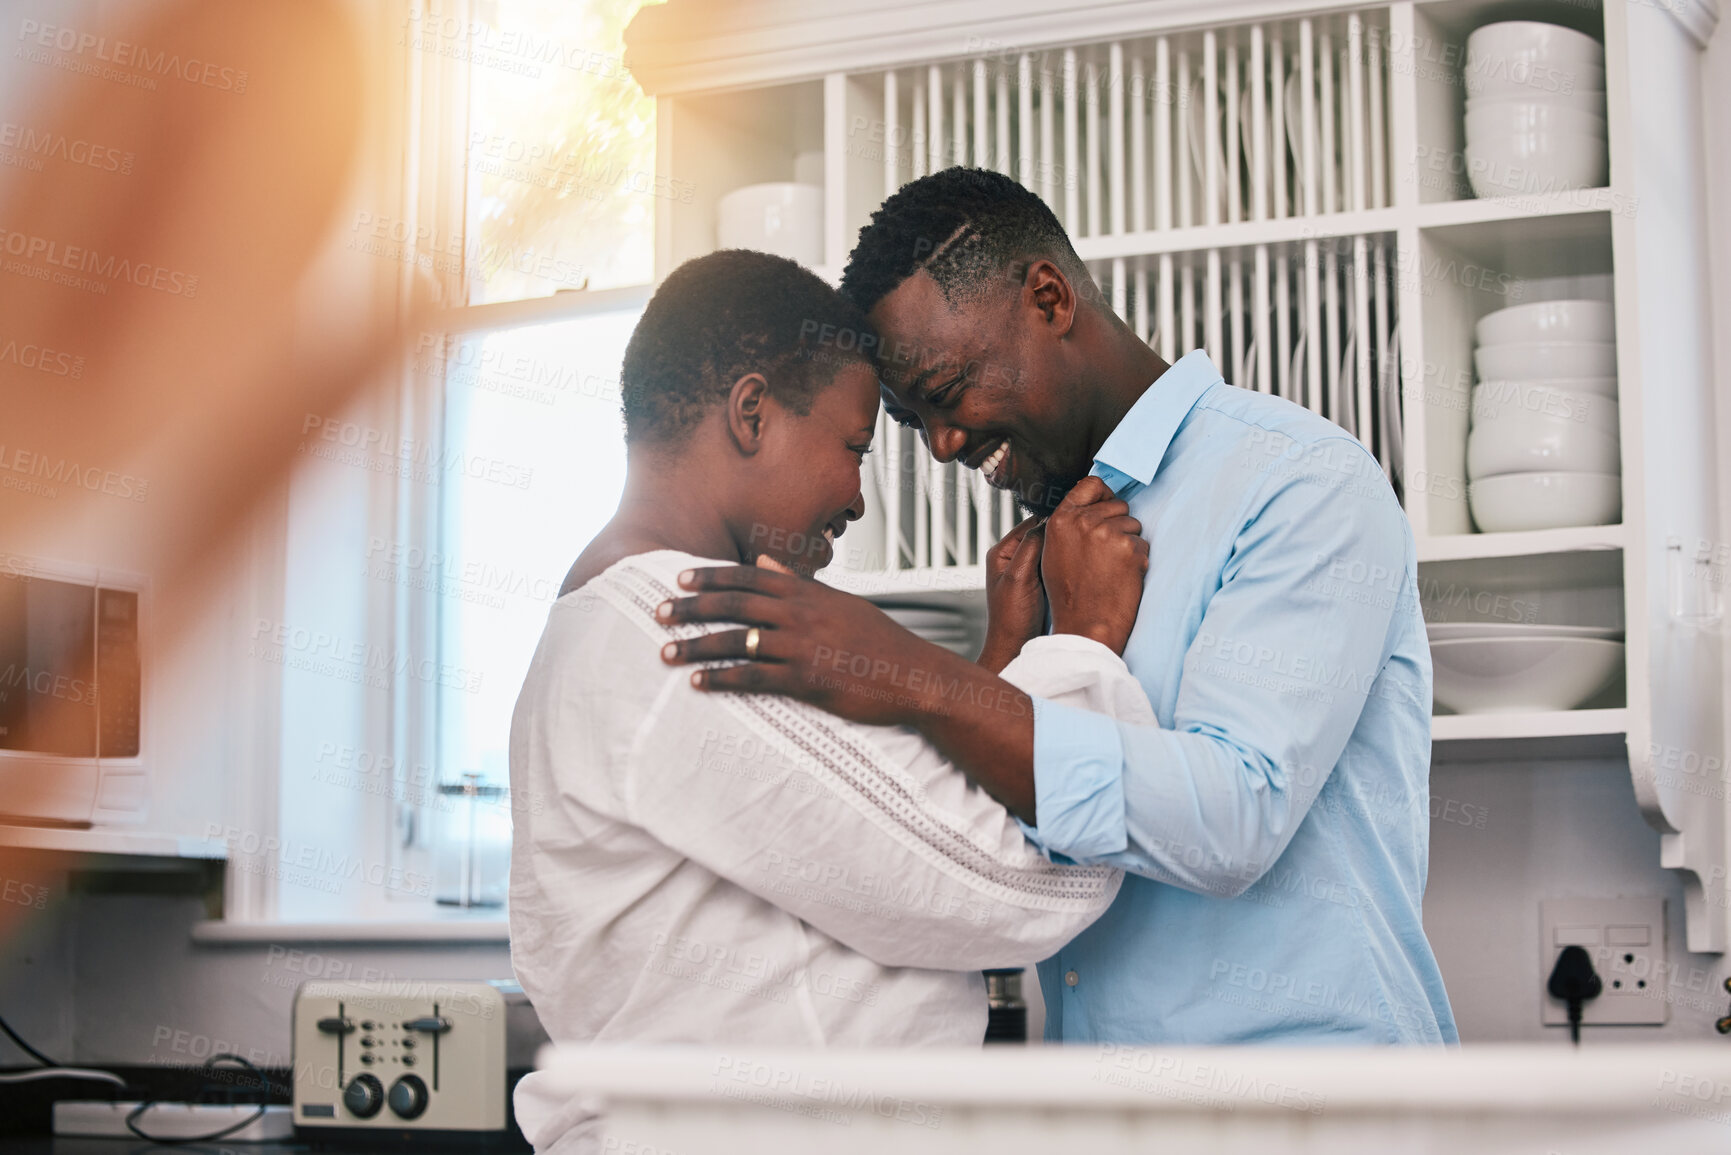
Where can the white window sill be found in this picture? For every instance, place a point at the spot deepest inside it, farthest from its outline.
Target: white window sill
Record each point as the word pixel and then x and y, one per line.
pixel 491 929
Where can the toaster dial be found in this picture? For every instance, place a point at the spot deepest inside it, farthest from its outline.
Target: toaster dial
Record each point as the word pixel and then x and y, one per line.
pixel 364 1096
pixel 408 1097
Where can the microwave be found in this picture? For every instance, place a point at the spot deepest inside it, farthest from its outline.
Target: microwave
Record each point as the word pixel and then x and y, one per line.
pixel 72 693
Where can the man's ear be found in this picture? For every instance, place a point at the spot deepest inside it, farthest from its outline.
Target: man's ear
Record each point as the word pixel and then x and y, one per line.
pixel 747 412
pixel 1046 287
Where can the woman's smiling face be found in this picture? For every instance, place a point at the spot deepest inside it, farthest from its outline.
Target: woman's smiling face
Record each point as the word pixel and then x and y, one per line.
pixel 807 473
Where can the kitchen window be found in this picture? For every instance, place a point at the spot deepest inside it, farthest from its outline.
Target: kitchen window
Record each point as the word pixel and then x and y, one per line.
pixel 530 161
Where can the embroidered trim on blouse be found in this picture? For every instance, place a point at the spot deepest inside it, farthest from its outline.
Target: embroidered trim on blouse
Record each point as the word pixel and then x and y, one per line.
pixel 836 751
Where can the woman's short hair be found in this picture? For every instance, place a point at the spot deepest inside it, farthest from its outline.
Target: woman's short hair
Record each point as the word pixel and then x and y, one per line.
pixel 723 316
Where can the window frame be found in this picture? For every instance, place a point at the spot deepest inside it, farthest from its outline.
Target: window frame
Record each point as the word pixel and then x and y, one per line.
pixel 424 174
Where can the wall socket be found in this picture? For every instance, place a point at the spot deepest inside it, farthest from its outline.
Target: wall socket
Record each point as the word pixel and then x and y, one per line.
pixel 1626 939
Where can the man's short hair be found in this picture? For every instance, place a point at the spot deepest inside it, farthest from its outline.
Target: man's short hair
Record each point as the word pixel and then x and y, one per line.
pixel 720 317
pixel 964 227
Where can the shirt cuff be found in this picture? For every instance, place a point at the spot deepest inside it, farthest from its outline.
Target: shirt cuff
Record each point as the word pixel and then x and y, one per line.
pixel 1078 783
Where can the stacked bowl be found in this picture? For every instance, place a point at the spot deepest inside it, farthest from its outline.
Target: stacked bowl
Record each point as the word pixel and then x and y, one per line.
pixel 1544 450
pixel 1535 109
pixel 1513 667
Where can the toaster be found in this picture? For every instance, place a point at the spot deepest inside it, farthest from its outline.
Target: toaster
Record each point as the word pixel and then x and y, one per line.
pixel 409 1061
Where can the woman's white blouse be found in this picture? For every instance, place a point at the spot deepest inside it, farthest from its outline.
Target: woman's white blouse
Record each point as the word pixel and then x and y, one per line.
pixel 691 867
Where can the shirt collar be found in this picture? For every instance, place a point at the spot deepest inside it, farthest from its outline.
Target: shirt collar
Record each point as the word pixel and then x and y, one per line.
pixel 1135 448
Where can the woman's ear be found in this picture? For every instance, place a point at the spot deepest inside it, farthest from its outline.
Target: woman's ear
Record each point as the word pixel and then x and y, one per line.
pixel 748 411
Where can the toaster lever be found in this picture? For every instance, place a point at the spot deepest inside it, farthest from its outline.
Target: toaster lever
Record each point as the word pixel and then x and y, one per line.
pixel 336 1025
pixel 433 1024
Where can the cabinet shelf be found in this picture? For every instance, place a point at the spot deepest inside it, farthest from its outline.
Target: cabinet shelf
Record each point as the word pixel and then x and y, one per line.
pixel 1548 734
pixel 1494 210
pixel 1555 213
pixel 1240 234
pixel 1468 546
pixel 1539 724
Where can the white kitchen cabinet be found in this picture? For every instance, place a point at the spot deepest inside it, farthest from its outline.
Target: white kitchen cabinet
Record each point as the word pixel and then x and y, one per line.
pixel 1090 104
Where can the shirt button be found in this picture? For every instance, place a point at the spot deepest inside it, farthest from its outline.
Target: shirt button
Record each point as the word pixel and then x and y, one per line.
pixel 1071 978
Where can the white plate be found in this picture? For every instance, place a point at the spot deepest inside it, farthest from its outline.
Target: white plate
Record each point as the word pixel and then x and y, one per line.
pixel 1456 631
pixel 1388 381
pixel 1198 155
pixel 1295 139
pixel 1519 674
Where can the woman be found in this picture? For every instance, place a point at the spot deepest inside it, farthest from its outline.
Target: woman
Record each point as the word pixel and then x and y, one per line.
pixel 745 868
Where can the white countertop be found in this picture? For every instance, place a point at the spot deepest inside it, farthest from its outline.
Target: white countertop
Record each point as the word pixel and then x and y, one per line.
pixel 1109 1098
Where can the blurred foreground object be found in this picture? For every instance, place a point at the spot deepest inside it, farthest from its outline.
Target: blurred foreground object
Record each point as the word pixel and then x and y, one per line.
pixel 168 187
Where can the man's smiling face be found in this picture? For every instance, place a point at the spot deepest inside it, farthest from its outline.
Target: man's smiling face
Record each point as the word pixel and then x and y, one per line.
pixel 986 381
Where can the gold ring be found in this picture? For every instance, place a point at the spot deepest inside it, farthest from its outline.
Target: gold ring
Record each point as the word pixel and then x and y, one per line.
pixel 752 637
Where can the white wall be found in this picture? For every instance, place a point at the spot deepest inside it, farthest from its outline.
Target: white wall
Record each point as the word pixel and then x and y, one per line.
pixel 117 978
pixel 1551 830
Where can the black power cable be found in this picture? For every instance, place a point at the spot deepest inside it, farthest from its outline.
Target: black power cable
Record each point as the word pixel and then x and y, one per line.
pixel 208 1065
pixel 26 1047
pixel 132 1117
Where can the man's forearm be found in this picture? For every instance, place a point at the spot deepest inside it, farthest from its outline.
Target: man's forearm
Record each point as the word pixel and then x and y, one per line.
pixel 984 725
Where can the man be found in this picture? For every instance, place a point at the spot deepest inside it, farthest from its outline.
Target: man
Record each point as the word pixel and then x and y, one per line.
pixel 749 870
pixel 1274 822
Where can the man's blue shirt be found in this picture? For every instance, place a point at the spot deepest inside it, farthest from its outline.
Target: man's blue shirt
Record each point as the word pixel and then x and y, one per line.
pixel 1276 824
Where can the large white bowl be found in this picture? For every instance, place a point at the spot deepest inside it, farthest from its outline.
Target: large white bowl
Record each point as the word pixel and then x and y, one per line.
pixel 1538 360
pixel 1516 502
pixel 1536 163
pixel 1578 320
pixel 781 217
pixel 1526 55
pixel 1533 442
pixel 1496 401
pixel 1516 675
pixel 1591 101
pixel 1605 387
pixel 1509 117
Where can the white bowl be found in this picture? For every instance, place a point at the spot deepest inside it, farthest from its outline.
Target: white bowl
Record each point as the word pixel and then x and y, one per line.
pixel 1536 163
pixel 782 217
pixel 1587 100
pixel 1548 321
pixel 1534 442
pixel 1455 631
pixel 1525 55
pixel 1538 360
pixel 1516 502
pixel 1509 117
pixel 1520 674
pixel 1497 401
pixel 1605 387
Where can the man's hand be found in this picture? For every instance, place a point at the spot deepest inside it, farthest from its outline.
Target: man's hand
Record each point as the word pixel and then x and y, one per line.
pixel 1092 565
pixel 815 643
pixel 1015 599
pixel 844 655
